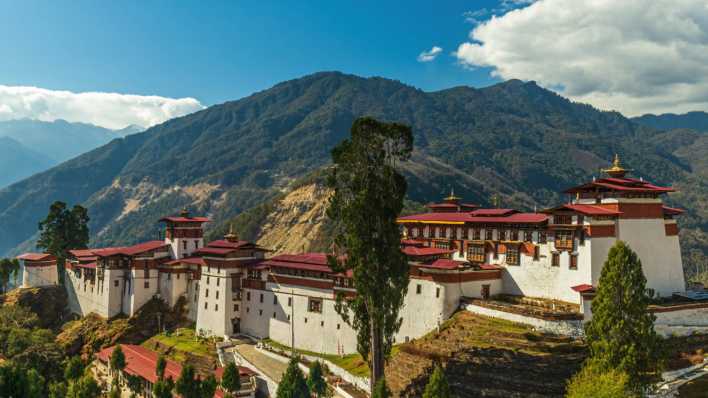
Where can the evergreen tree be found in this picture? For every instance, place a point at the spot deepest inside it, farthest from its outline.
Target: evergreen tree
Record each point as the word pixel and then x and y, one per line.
pixel 437 385
pixel 231 380
pixel 381 389
pixel 74 368
pixel 63 230
pixel 9 267
pixel 163 388
pixel 293 384
pixel 368 197
pixel 316 381
pixel 621 333
pixel 160 367
pixel 207 387
pixel 188 386
pixel 117 359
pixel 85 387
pixel 57 389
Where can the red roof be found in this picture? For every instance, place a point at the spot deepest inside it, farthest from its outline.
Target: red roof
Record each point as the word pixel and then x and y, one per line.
pixel 511 217
pixel 443 263
pixel 412 242
pixel 621 184
pixel 673 211
pixel 91 254
pixel 139 361
pixel 88 265
pixel 414 251
pixel 144 247
pixel 186 219
pixel 187 260
pixel 213 250
pixel 584 288
pixel 493 212
pixel 589 210
pixel 307 261
pixel 489 267
pixel 36 257
pixel 223 243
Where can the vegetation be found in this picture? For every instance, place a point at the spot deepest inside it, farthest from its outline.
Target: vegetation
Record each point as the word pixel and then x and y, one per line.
pixel 189 385
pixel 293 384
pixel 231 379
pixel 437 386
pixel 368 197
pixel 316 381
pixel 117 359
pixel 381 390
pixel 621 333
pixel 591 382
pixel 9 267
pixel 85 387
pixel 63 230
pixel 163 387
pixel 352 363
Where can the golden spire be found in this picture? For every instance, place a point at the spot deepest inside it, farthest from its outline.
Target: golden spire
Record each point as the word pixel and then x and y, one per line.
pixel 452 197
pixel 616 170
pixel 231 236
pixel 184 213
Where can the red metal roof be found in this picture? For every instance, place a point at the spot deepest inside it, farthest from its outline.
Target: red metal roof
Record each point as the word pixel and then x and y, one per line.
pixel 584 288
pixel 88 254
pixel 673 211
pixel 186 219
pixel 489 267
pixel 139 361
pixel 187 260
pixel 511 218
pixel 493 212
pixel 412 242
pixel 307 261
pixel 88 265
pixel 414 251
pixel 589 210
pixel 621 184
pixel 36 257
pixel 443 263
pixel 213 250
pixel 223 243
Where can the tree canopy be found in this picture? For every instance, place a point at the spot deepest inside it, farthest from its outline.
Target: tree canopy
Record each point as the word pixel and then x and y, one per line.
pixel 316 381
pixel 62 230
pixel 437 385
pixel 368 197
pixel 118 358
pixel 9 267
pixel 231 380
pixel 293 384
pixel 621 333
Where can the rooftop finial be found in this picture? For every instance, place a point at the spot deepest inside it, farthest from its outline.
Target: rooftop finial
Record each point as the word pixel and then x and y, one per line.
pixel 184 213
pixel 231 236
pixel 616 171
pixel 452 197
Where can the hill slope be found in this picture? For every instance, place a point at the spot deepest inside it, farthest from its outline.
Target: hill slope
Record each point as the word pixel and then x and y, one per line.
pixel 18 162
pixel 514 138
pixel 668 121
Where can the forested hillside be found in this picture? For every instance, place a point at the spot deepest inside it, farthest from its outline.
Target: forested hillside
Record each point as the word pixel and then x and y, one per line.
pixel 514 138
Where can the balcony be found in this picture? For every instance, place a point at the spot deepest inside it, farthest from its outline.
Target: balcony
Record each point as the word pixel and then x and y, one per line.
pixel 254 284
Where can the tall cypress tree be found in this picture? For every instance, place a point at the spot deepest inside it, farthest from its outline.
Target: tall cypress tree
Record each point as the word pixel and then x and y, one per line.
pixel 63 230
pixel 437 385
pixel 368 197
pixel 293 384
pixel 621 333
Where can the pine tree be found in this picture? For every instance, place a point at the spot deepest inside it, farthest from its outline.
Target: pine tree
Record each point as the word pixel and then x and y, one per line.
pixel 160 367
pixel 188 386
pixel 437 386
pixel 117 359
pixel 231 380
pixel 163 388
pixel 74 368
pixel 316 381
pixel 293 384
pixel 207 387
pixel 63 230
pixel 590 382
pixel 381 389
pixel 621 333
pixel 368 197
pixel 9 267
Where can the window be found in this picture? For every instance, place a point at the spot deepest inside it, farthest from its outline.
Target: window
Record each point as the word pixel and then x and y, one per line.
pixel 184 245
pixel 248 309
pixel 562 219
pixel 338 326
pixel 116 283
pixel 476 254
pixel 274 315
pixel 217 281
pixel 514 234
pixel 217 294
pixel 437 292
pixel 207 280
pixel 169 276
pixel 418 289
pixel 555 260
pixel 414 232
pixel 248 296
pixel 442 245
pixel 512 254
pixel 178 276
pixel 216 307
pixel 235 307
pixel 206 292
pixel 564 240
pixel 536 253
pixel 322 323
pixel 146 285
pixel 581 219
pixel 260 312
pixel 206 305
pixel 528 236
pixel 496 250
pixel 542 237
pixel 437 232
pixel 196 244
pixel 574 261
pixel 314 305
pixel 476 234
pixel 261 299
pixel 146 272
pixel 288 318
pixel 448 232
pixel 502 234
pixel 488 234
pixel 195 297
pixel 290 301
pixel 581 237
pixel 305 320
pixel 275 300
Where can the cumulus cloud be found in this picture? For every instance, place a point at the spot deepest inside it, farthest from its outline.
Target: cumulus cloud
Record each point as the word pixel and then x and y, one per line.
pixel 633 56
pixel 111 110
pixel 427 56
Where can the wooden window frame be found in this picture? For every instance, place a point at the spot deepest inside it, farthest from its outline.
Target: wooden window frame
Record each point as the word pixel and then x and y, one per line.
pixel 476 253
pixel 513 255
pixel 555 259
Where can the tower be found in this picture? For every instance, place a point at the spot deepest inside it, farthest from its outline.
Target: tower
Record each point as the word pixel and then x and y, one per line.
pixel 184 233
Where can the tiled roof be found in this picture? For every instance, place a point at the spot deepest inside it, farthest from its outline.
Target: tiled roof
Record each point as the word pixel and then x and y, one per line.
pixel 87 254
pixel 414 251
pixel 187 260
pixel 307 261
pixel 510 217
pixel 493 212
pixel 186 219
pixel 443 263
pixel 621 184
pixel 589 210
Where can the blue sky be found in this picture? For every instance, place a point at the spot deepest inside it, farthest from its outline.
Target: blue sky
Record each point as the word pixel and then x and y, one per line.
pixel 217 51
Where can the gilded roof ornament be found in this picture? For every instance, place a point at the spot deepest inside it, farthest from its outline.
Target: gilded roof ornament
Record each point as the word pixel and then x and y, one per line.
pixel 616 171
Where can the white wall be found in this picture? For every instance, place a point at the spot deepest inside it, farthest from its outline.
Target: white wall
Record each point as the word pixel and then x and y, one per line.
pixel 35 276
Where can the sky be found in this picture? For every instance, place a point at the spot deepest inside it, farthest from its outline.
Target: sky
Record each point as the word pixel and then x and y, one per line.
pixel 129 62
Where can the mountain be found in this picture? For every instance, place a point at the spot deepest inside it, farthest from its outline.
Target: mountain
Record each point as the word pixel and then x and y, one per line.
pixel 47 144
pixel 668 121
pixel 18 161
pixel 514 138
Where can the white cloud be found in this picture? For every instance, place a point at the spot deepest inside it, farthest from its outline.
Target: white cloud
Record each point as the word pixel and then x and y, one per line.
pixel 427 56
pixel 634 56
pixel 111 110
